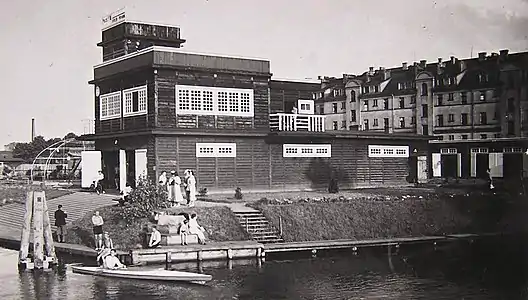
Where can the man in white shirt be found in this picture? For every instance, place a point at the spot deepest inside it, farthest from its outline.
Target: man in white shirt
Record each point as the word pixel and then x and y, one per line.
pixel 99 184
pixel 155 238
pixel 112 262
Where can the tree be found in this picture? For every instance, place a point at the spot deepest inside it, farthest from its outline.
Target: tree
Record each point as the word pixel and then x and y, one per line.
pixel 28 151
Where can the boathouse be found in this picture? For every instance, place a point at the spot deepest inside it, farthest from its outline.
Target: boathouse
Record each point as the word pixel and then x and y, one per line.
pixel 505 157
pixel 159 108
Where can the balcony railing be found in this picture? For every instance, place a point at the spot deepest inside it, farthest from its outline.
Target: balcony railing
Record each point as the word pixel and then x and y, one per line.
pixel 297 122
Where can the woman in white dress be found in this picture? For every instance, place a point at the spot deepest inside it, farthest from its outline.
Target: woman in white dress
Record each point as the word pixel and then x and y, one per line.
pixel 175 188
pixel 194 228
pixel 190 187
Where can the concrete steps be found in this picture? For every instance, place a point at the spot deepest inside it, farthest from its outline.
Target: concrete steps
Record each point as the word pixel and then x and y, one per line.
pixel 258 227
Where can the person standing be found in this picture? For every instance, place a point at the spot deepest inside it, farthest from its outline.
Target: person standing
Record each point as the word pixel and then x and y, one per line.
pixel 170 188
pixel 99 188
pixel 117 178
pixel 176 189
pixel 60 222
pixel 162 180
pixel 98 222
pixel 190 187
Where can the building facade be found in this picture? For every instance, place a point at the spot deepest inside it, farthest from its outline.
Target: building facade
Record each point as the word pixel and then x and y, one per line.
pixel 160 109
pixel 478 98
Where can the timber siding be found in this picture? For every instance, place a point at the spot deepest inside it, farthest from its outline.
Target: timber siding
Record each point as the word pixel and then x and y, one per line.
pixel 260 166
pixel 285 94
pixel 167 80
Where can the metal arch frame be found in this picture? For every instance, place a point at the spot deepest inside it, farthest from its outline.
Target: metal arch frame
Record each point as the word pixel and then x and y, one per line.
pixel 62 143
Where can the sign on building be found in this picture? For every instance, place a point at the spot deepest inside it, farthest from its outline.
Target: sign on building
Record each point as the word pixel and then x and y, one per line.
pixel 113 18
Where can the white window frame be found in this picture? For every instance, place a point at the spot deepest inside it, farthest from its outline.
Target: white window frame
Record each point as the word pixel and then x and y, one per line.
pixel 388 151
pixel 221 101
pixel 307 150
pixel 513 150
pixel 448 151
pixel 308 109
pixel 105 100
pixel 215 149
pixel 479 150
pixel 142 101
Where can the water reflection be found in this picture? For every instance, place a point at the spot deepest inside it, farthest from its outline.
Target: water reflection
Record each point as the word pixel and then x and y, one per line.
pixel 492 269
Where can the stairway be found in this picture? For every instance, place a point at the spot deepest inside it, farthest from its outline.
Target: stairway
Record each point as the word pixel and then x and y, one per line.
pixel 258 227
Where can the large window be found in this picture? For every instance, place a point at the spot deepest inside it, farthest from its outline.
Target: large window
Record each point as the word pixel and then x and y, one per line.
pixel 110 106
pixel 388 151
pixel 215 149
pixel 201 100
pixel 135 101
pixel 307 150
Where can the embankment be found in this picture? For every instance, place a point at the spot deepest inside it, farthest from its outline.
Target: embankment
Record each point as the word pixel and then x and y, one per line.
pixel 220 223
pixel 400 216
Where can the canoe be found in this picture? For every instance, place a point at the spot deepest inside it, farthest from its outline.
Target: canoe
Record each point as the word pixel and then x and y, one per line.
pixel 157 275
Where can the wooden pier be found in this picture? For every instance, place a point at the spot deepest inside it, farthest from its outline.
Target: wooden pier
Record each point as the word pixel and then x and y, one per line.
pixel 212 251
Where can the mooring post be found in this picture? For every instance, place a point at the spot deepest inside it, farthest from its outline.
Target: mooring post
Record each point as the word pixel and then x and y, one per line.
pixel 229 254
pixel 168 260
pixel 26 229
pixel 199 255
pixel 38 237
pixel 48 235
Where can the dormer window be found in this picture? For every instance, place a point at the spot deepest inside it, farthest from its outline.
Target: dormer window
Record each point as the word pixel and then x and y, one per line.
pixel 400 86
pixel 451 80
pixel 483 78
pixel 376 89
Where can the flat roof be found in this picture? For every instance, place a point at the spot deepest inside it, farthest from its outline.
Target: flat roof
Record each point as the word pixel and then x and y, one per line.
pixel 304 80
pixel 171 50
pixel 513 139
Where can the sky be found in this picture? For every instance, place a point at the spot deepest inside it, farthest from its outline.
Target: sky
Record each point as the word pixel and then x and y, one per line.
pixel 49 47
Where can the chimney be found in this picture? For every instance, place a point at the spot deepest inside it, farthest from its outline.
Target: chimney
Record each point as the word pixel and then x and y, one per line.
pixel 453 60
pixel 439 60
pixel 32 129
pixel 504 53
pixel 404 66
pixel 423 63
pixel 481 56
pixel 371 71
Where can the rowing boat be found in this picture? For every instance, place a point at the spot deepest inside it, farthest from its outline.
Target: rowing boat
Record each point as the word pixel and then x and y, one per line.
pixel 157 275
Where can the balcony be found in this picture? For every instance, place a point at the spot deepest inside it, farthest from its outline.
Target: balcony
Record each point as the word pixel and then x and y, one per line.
pixel 297 122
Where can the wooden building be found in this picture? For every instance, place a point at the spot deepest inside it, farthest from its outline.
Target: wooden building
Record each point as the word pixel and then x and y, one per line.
pixel 505 157
pixel 161 109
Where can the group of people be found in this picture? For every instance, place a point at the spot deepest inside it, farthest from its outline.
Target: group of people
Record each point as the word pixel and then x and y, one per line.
pixel 190 225
pixel 174 184
pixel 106 254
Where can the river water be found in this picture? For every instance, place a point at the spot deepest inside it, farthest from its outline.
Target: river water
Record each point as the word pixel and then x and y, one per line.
pixel 484 269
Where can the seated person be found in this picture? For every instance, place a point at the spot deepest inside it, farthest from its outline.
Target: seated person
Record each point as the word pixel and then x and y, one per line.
pixel 104 252
pixel 125 194
pixel 194 228
pixel 155 238
pixel 107 241
pixel 112 262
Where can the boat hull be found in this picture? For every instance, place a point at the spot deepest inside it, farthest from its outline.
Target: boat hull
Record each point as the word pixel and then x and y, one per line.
pixel 154 275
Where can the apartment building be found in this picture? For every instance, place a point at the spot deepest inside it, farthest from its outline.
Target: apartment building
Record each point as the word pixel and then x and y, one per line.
pixel 477 98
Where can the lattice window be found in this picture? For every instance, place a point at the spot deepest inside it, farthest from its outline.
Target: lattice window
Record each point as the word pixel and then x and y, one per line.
pixel 196 100
pixel 307 150
pixel 135 101
pixel 222 101
pixel 207 101
pixel 388 151
pixel 110 106
pixel 215 150
pixel 448 151
pixel 513 150
pixel 184 102
pixel 201 100
pixel 245 102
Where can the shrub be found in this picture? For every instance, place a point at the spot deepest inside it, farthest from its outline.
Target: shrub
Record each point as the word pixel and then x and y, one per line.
pixel 147 197
pixel 202 192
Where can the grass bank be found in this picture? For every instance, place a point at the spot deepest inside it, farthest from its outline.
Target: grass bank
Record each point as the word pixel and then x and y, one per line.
pixel 219 222
pixel 11 193
pixel 393 216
